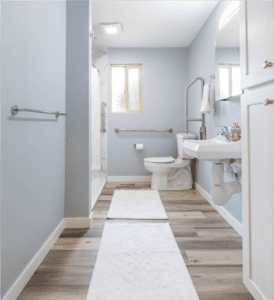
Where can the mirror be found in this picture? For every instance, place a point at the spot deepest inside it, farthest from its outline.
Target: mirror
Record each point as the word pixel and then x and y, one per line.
pixel 227 57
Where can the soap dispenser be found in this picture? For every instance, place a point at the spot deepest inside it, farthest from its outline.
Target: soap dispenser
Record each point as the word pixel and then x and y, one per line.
pixel 235 132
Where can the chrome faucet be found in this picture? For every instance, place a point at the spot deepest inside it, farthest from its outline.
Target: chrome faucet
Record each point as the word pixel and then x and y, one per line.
pixel 225 132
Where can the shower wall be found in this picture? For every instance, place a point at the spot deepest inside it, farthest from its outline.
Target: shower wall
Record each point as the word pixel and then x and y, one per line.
pixel 96 133
pixel 98 182
pixel 100 59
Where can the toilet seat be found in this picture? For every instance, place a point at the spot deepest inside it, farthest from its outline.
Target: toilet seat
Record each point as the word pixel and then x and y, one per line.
pixel 176 163
pixel 162 160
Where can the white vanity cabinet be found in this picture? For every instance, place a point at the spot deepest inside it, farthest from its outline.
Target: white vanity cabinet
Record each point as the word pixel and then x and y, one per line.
pixel 258 191
pixel 257 42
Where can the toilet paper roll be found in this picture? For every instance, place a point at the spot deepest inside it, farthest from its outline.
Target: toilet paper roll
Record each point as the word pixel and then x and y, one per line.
pixel 139 146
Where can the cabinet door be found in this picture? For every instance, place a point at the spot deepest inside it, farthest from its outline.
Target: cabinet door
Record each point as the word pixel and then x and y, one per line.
pixel 258 192
pixel 257 42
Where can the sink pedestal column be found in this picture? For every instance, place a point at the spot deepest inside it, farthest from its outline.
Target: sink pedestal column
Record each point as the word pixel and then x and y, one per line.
pixel 221 191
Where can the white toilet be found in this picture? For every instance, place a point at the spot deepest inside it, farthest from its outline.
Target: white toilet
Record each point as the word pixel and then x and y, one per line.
pixel 169 173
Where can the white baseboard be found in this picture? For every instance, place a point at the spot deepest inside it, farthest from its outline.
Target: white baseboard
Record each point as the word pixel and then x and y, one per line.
pixel 129 178
pixel 25 276
pixel 30 269
pixel 77 222
pixel 221 210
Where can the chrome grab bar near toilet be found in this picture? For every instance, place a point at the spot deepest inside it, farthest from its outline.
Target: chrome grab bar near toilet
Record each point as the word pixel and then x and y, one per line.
pixel 15 110
pixel 140 130
pixel 103 129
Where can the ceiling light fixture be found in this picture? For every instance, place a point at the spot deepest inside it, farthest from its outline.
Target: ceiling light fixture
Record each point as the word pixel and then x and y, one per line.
pixel 111 28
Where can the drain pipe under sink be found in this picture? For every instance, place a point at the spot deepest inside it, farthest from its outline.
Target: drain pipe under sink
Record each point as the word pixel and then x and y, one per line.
pixel 221 191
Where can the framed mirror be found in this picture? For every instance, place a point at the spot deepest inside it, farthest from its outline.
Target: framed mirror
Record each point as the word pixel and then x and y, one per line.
pixel 227 55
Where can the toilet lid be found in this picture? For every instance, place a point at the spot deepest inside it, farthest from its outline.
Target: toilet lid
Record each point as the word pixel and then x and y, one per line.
pixel 168 159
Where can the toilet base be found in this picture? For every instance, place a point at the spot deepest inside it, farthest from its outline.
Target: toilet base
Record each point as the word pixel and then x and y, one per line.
pixel 159 182
pixel 176 179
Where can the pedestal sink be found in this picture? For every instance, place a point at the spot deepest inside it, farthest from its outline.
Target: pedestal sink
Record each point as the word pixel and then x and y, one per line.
pixel 213 150
pixel 220 152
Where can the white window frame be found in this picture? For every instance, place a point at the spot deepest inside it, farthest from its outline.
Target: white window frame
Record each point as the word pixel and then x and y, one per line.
pixel 127 67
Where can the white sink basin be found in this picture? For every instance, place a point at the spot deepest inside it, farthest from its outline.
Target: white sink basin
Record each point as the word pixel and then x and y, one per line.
pixel 214 149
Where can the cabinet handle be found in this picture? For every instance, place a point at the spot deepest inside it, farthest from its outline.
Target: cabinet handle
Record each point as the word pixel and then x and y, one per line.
pixel 267 101
pixel 267 64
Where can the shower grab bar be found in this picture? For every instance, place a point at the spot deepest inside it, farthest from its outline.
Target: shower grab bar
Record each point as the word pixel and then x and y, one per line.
pixel 139 130
pixel 104 104
pixel 15 110
pixel 202 129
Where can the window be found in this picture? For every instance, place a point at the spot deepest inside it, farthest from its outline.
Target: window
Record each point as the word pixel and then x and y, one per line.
pixel 126 88
pixel 229 81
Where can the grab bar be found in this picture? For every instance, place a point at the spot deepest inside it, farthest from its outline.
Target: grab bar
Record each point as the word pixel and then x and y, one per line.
pixel 103 117
pixel 139 130
pixel 202 129
pixel 195 120
pixel 15 110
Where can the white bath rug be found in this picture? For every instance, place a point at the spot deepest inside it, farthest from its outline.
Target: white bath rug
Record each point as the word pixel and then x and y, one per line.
pixel 142 204
pixel 140 262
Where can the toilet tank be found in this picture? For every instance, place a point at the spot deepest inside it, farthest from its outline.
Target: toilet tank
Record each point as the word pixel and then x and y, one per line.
pixel 181 137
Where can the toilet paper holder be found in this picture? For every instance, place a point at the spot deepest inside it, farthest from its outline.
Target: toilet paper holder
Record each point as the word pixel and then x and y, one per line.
pixel 135 146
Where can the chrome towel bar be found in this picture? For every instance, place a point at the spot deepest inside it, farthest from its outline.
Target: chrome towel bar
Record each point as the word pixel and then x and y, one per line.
pixel 140 130
pixel 15 110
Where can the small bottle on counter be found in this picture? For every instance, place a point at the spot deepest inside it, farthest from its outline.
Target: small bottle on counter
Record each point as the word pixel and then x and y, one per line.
pixel 235 132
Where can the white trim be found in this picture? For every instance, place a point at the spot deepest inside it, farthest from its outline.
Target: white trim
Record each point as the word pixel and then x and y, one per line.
pixel 77 222
pixel 91 216
pixel 27 273
pixel 97 195
pixel 221 210
pixel 129 178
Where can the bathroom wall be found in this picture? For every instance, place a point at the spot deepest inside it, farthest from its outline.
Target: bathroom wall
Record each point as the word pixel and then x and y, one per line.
pixel 201 62
pixel 33 74
pixel 78 107
pixel 164 79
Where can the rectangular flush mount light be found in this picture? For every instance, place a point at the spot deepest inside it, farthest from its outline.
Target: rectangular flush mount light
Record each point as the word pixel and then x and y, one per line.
pixel 111 28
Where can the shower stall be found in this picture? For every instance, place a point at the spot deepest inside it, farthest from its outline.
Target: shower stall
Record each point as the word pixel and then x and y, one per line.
pixel 98 132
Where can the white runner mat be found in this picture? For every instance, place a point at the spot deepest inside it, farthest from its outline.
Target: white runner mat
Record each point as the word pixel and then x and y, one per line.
pixel 140 262
pixel 144 204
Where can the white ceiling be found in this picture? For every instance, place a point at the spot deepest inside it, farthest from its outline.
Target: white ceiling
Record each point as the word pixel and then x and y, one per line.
pixel 229 35
pixel 150 23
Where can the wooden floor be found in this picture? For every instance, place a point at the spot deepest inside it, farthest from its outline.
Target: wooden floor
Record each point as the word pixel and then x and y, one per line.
pixel 211 248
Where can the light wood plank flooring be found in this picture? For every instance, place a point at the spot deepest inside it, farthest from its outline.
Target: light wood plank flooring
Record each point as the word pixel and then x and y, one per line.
pixel 211 248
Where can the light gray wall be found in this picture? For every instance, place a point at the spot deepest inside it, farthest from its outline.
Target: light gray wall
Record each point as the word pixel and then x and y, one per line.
pixel 227 55
pixel 201 62
pixel 164 80
pixel 78 131
pixel 33 145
